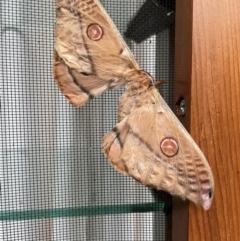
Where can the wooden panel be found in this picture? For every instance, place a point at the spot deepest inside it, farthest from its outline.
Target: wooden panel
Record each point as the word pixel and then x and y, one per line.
pixel 207 74
pixel 215 114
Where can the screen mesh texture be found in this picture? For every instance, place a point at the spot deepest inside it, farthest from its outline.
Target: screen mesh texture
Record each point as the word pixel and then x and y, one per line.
pixel 55 182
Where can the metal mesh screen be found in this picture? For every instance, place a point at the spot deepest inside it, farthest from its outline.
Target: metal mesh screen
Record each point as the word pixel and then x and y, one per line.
pixel 55 182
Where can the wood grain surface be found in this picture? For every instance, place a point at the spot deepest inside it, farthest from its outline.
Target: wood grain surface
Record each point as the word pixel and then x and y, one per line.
pixel 215 114
pixel 215 118
pixel 207 75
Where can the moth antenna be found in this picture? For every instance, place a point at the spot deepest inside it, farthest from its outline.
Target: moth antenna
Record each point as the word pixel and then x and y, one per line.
pixel 158 83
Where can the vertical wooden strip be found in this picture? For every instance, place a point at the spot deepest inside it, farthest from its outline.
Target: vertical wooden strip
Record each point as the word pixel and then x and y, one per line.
pixel 215 114
pixel 182 84
pixel 207 75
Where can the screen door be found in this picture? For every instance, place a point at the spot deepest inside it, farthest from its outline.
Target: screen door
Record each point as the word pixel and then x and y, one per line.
pixel 55 182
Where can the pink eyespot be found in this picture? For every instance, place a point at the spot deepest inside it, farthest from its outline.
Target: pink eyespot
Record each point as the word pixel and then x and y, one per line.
pixel 94 32
pixel 169 147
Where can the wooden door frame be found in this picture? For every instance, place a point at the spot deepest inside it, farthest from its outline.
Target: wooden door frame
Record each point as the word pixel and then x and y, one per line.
pixel 207 76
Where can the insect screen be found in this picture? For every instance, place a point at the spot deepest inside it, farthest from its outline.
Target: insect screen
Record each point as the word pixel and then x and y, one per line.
pixel 55 182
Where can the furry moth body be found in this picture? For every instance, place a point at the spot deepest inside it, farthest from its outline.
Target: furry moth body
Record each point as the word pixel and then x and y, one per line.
pixel 149 143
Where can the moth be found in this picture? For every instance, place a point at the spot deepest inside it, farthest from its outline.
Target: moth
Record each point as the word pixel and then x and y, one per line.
pixel 148 143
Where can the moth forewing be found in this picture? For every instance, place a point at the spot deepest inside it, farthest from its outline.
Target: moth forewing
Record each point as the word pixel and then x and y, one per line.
pixel 179 167
pixel 89 44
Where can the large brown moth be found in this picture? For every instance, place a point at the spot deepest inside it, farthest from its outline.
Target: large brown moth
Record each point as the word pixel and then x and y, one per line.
pixel 149 143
